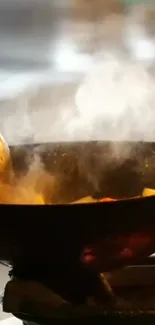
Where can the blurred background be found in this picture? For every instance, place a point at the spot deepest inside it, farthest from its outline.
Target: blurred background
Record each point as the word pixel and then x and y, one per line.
pixel 47 48
pixel 35 33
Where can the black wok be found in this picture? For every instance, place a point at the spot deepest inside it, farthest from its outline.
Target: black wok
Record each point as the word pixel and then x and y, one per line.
pixel 61 234
pixel 65 244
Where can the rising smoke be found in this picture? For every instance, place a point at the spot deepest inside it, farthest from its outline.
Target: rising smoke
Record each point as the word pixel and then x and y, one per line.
pixel 115 101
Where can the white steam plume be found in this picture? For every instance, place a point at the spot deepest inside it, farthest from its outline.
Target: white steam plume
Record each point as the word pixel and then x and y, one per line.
pixel 116 100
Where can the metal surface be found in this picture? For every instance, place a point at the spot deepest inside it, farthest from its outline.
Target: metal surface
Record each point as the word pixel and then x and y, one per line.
pixel 116 218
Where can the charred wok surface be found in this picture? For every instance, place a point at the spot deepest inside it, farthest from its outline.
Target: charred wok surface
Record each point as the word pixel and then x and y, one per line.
pixel 49 248
pixel 67 229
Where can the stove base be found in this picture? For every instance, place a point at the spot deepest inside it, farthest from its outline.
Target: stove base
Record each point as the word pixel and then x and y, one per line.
pixel 33 302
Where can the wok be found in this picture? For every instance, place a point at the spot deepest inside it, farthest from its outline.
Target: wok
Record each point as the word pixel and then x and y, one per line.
pixel 99 235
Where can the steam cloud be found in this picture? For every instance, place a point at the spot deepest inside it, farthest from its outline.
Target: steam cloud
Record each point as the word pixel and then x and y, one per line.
pixel 115 101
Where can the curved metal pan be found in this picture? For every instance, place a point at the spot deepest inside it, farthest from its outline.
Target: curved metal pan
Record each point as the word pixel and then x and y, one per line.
pixel 117 233
pixel 63 234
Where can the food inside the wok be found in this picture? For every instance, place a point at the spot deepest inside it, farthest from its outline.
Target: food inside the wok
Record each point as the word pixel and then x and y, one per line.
pixel 4 154
pixel 148 192
pixel 6 171
pixel 18 194
pixel 87 199
pixel 90 199
pixel 30 189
